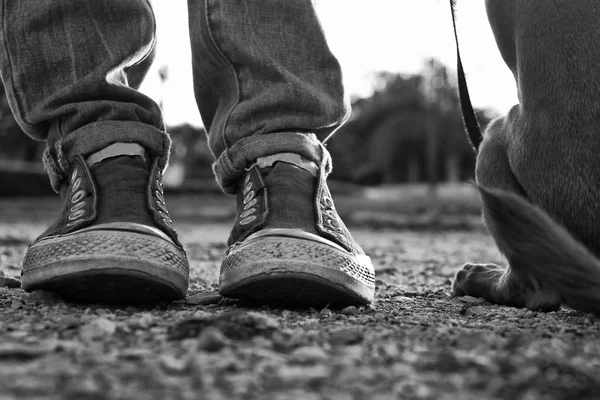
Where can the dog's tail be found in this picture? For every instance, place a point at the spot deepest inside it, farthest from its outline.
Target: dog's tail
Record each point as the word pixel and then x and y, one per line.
pixel 538 245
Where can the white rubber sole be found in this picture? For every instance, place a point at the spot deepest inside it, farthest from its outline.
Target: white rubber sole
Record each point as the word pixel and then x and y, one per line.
pixel 298 269
pixel 107 266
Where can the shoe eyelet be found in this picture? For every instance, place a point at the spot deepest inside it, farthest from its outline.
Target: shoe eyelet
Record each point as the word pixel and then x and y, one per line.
pixel 159 196
pixel 247 212
pixel 247 220
pixel 247 179
pixel 74 175
pixel 77 206
pixel 77 214
pixel 78 196
pixel 75 185
pixel 251 203
pixel 164 215
pixel 334 224
pixel 161 207
pixel 70 224
pixel 328 211
pixel 247 188
pixel 327 202
pixel 249 196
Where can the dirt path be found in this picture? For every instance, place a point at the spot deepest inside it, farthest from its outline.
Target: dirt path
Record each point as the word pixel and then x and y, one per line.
pixel 413 343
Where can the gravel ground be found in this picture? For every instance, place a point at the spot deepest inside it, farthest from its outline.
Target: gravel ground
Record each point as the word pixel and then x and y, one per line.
pixel 414 342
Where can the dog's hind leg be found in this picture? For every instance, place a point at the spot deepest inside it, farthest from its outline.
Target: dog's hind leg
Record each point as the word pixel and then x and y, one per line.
pixel 512 285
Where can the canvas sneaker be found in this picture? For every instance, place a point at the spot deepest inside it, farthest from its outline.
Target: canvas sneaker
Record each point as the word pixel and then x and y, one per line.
pixel 288 244
pixel 114 240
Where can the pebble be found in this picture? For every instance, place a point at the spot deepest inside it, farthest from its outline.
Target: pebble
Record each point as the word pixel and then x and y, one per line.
pixel 309 355
pixel 135 353
pixel 203 298
pixel 296 375
pixel 326 312
pixel 44 297
pixel 211 339
pixel 173 365
pixel 84 388
pixel 145 321
pixel 350 310
pixel 475 310
pixel 530 314
pixel 68 322
pixel 471 300
pixel 97 329
pixel 379 316
pixel 17 351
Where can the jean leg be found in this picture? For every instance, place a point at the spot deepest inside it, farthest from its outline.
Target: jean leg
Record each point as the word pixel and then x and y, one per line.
pixel 71 70
pixel 265 81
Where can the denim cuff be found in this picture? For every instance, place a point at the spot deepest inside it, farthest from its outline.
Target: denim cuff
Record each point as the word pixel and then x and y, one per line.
pixel 91 138
pixel 232 163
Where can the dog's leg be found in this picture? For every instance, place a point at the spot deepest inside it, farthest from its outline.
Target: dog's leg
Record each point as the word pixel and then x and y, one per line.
pixel 508 286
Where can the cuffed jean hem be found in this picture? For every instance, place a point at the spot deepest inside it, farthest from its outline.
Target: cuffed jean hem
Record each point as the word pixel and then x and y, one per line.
pixel 232 163
pixel 96 136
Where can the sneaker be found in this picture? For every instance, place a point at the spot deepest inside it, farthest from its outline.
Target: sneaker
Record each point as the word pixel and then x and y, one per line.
pixel 288 244
pixel 114 240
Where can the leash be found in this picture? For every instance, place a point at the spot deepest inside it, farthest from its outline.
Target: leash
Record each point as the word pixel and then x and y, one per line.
pixel 469 117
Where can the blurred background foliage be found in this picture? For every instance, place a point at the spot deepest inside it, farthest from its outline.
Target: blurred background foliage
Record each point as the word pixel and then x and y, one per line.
pixel 409 131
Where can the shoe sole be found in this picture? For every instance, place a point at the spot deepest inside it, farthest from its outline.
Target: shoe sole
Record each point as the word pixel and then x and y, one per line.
pixel 107 266
pixel 296 272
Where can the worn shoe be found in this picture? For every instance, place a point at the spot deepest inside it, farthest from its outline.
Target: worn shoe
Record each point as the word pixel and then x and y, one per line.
pixel 114 240
pixel 288 244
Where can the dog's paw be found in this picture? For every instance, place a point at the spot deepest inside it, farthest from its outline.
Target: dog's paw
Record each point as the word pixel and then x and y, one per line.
pixel 503 286
pixel 477 280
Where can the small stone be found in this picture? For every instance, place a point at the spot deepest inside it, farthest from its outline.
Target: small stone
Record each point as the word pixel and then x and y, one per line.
pixel 475 310
pixel 350 310
pixel 44 297
pixel 173 365
pixel 287 313
pixel 471 300
pixel 135 353
pixel 212 340
pixel 302 375
pixel 203 298
pixel 11 283
pixel 21 352
pixel 325 312
pixel 379 316
pixel 530 314
pixel 145 321
pixel 309 355
pixel 346 336
pixel 68 322
pixel 84 388
pixel 98 329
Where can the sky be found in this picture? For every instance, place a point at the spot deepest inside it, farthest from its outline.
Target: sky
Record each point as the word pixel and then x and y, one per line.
pixel 366 36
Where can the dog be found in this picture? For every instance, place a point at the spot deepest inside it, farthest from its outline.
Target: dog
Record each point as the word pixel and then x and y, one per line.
pixel 538 167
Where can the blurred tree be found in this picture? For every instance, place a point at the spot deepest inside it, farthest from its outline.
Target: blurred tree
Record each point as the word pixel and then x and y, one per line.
pixel 409 130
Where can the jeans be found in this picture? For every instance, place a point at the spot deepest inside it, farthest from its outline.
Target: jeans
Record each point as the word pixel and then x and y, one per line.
pixel 265 80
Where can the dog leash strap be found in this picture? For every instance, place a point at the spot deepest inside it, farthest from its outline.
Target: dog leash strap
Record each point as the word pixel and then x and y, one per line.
pixel 469 116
